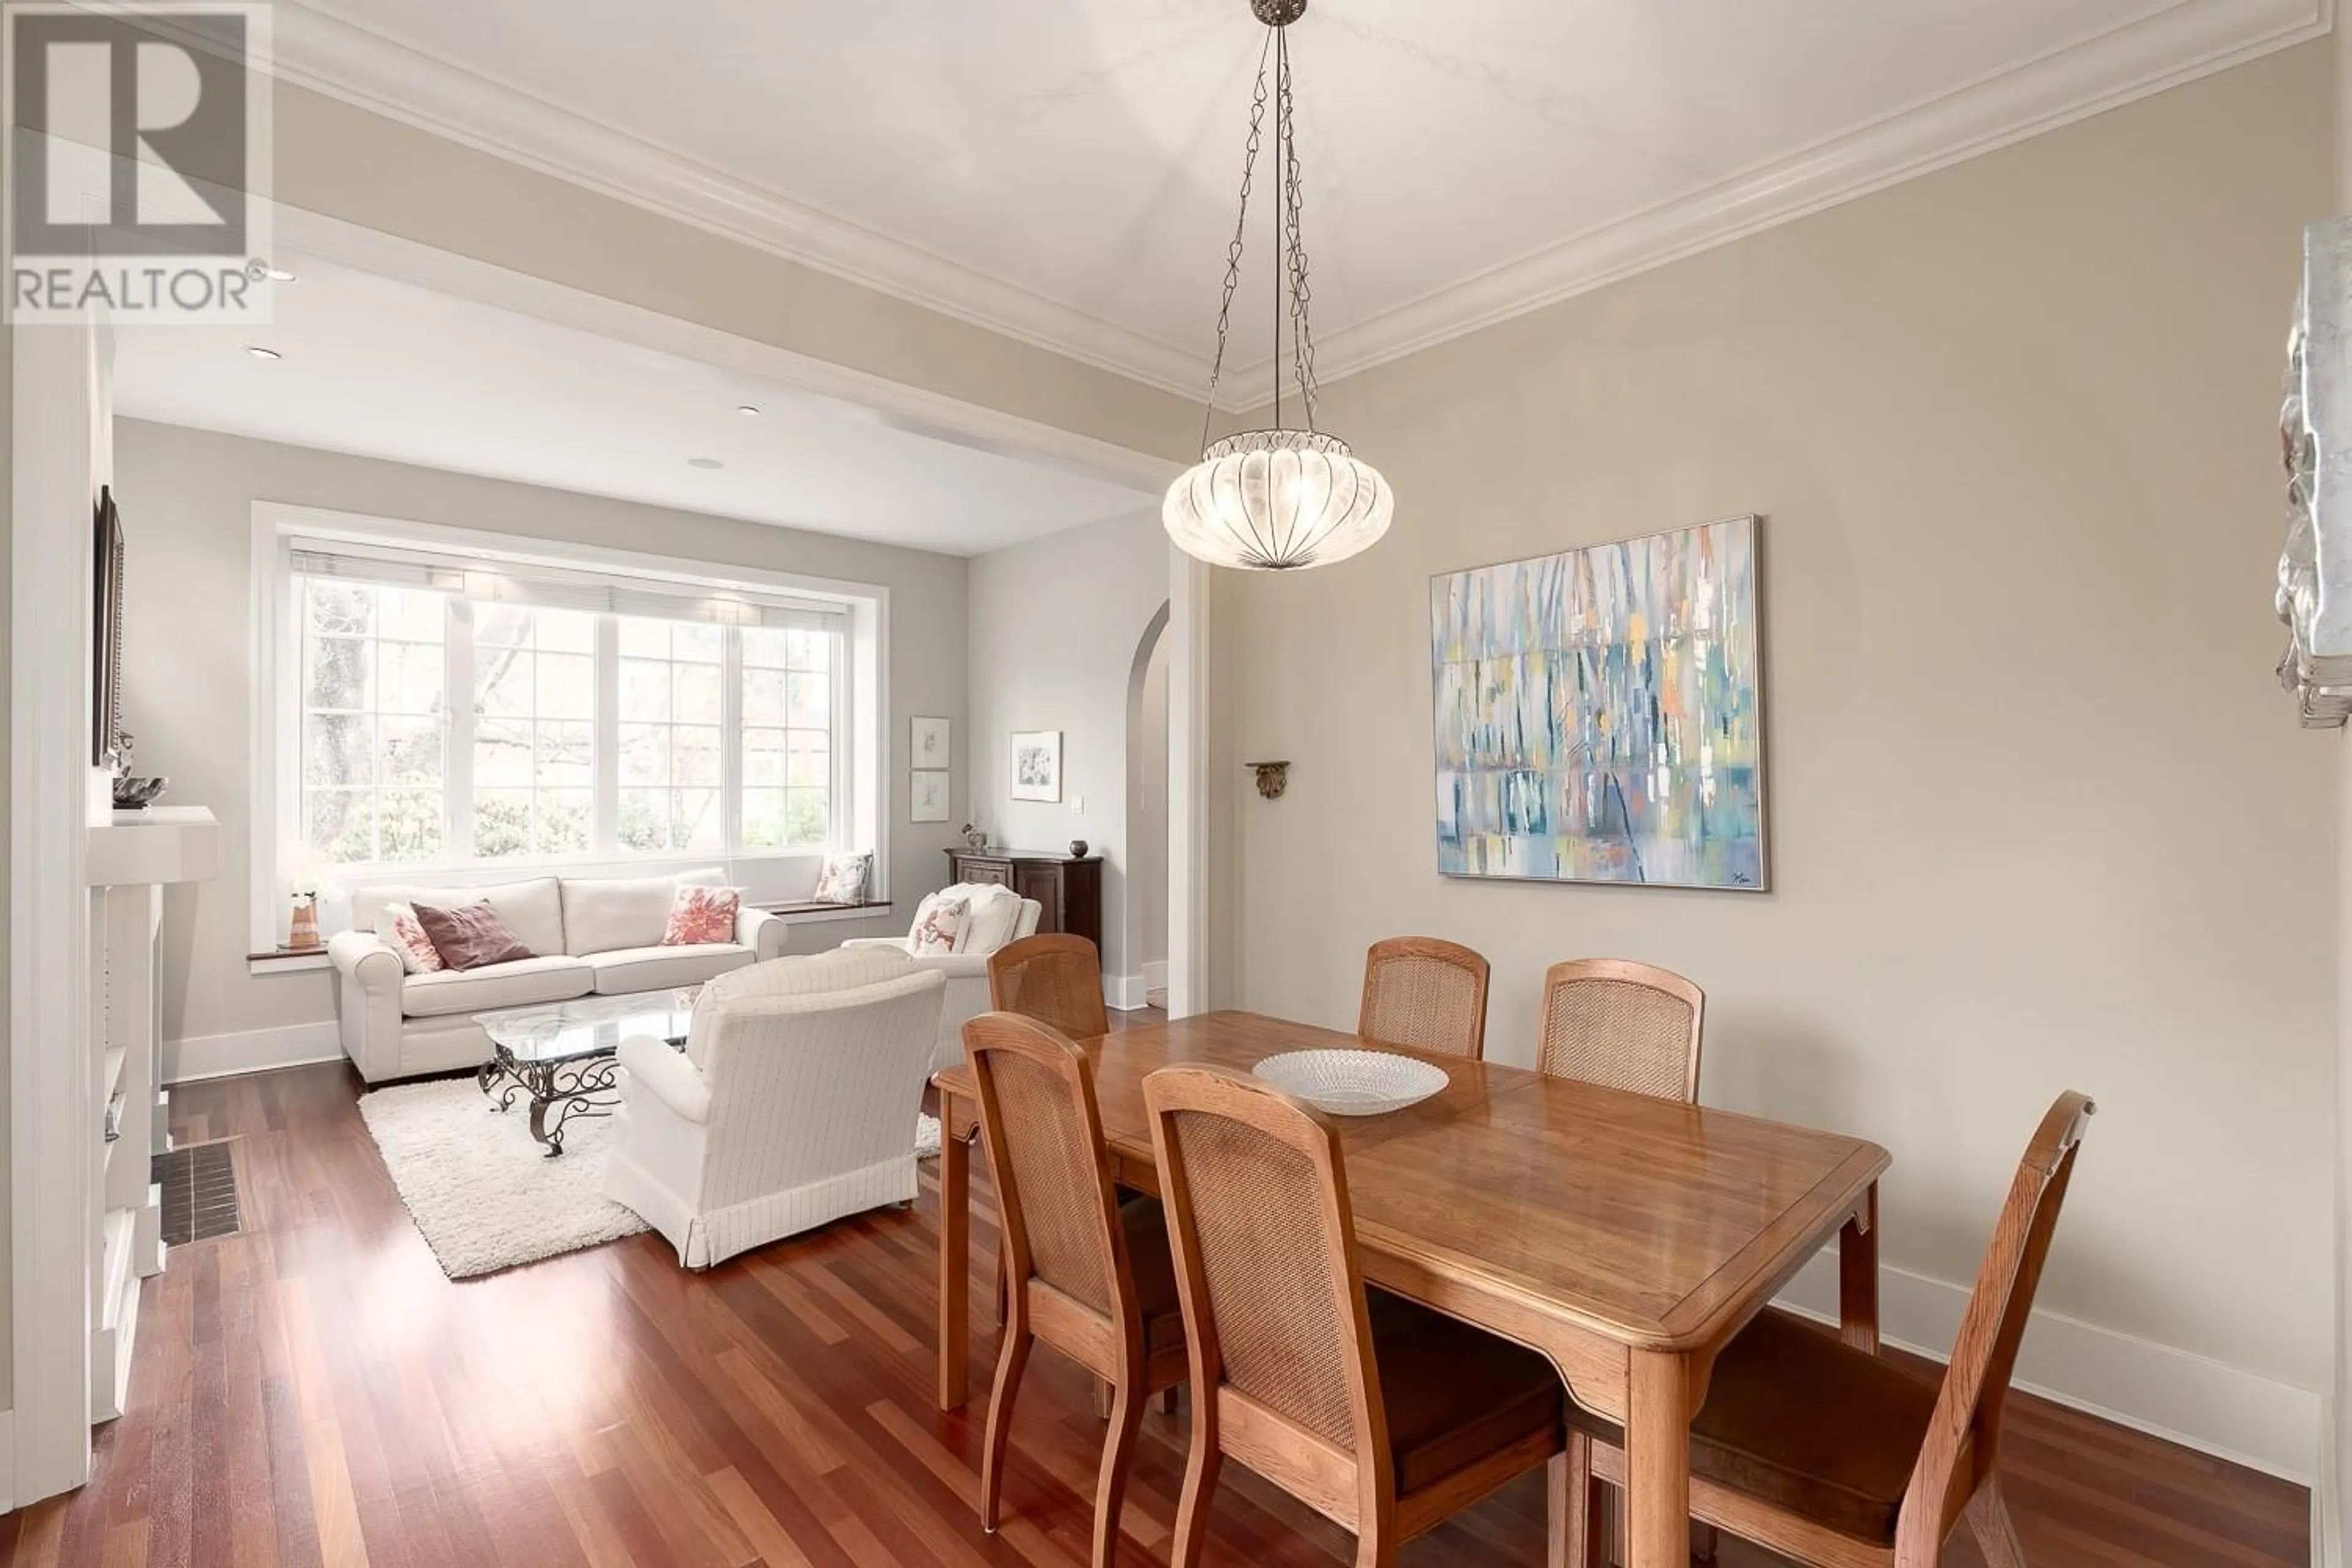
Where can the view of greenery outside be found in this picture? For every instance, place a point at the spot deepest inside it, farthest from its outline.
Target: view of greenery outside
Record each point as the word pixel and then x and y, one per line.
pixel 534 730
pixel 371 721
pixel 787 737
pixel 374 678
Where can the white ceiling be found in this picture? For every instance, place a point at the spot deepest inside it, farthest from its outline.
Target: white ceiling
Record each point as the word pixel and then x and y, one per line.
pixel 1065 170
pixel 387 369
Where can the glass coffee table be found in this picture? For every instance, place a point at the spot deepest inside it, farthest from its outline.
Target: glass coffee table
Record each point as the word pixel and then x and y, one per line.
pixel 561 1055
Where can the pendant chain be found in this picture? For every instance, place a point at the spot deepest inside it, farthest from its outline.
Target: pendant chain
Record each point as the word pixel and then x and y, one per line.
pixel 1234 251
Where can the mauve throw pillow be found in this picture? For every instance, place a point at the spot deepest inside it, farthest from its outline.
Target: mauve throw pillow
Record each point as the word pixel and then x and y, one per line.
pixel 470 938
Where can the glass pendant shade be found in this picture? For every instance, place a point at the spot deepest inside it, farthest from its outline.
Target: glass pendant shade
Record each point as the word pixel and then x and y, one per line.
pixel 1274 500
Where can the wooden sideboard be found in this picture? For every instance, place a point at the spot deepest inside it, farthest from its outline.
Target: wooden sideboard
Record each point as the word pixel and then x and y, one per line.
pixel 1068 891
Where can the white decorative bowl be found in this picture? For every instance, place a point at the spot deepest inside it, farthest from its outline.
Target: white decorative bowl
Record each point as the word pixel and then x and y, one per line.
pixel 1353 1083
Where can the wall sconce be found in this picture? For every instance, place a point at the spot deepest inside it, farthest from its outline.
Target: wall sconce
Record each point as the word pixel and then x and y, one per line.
pixel 1273 778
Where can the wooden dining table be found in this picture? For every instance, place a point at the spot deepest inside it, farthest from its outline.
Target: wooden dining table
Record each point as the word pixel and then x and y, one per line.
pixel 1622 1236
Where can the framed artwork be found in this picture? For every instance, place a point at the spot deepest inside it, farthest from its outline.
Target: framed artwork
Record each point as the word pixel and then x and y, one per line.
pixel 929 796
pixel 1598 714
pixel 927 745
pixel 1036 765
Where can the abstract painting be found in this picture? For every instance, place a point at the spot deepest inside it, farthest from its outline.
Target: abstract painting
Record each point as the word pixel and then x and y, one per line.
pixel 1598 715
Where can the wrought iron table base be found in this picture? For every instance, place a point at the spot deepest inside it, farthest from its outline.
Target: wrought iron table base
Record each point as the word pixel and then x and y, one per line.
pixel 578 1086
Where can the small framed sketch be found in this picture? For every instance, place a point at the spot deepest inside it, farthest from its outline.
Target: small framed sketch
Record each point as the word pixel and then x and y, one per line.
pixel 927 747
pixel 929 796
pixel 1036 765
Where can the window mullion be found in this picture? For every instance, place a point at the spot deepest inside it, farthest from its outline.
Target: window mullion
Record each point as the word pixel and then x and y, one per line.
pixel 731 740
pixel 605 749
pixel 457 758
pixel 839 835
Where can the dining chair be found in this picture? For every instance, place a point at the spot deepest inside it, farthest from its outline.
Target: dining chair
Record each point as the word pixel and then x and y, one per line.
pixel 1425 992
pixel 1055 979
pixel 1838 1459
pixel 1622 1024
pixel 1380 1414
pixel 1087 1274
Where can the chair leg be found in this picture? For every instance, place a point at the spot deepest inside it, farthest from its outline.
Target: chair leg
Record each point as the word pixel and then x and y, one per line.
pixel 1567 1506
pixel 1119 1447
pixel 1009 1367
pixel 1168 1399
pixel 1703 1541
pixel 1996 1536
pixel 1193 1499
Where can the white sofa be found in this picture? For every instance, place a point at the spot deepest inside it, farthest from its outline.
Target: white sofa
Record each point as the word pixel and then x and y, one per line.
pixel 792 1104
pixel 588 935
pixel 999 915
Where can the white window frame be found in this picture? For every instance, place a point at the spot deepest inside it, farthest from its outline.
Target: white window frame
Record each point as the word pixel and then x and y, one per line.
pixel 860 764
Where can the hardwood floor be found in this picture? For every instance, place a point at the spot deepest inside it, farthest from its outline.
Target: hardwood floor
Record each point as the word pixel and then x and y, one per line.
pixel 313 1391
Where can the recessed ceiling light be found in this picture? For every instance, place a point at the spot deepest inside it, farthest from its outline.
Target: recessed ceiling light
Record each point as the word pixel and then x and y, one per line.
pixel 704 463
pixel 257 351
pixel 278 275
pixel 747 409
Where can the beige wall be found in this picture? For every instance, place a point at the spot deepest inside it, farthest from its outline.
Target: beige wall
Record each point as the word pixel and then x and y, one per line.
pixel 2040 817
pixel 1056 628
pixel 187 498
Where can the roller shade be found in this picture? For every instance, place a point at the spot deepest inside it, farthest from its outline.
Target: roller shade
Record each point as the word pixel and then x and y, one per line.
pixel 564 588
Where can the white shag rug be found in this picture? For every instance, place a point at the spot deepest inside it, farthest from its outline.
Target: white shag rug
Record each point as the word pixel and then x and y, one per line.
pixel 481 1187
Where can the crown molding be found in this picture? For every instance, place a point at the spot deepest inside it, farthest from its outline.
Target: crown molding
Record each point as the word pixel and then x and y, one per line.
pixel 2186 40
pixel 358 66
pixel 2190 39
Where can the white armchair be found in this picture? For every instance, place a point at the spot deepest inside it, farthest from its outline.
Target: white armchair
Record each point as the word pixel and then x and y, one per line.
pixel 999 915
pixel 792 1104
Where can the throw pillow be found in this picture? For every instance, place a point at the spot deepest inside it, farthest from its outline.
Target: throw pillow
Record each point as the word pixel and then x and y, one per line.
pixel 843 880
pixel 698 915
pixel 396 925
pixel 935 934
pixel 470 938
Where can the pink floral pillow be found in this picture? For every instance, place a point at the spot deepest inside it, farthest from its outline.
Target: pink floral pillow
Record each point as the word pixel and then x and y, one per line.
pixel 398 926
pixel 698 915
pixel 935 929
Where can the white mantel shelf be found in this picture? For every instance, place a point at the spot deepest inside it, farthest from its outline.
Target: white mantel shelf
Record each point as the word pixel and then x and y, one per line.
pixel 161 845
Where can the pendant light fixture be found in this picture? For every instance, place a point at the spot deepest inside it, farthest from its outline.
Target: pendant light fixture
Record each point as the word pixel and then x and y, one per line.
pixel 1280 498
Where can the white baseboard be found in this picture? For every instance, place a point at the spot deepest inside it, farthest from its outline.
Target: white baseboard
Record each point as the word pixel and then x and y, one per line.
pixel 2175 1394
pixel 2327 1496
pixel 253 1050
pixel 7 1460
pixel 1124 992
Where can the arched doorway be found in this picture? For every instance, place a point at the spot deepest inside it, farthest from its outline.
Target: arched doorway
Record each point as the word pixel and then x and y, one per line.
pixel 1147 894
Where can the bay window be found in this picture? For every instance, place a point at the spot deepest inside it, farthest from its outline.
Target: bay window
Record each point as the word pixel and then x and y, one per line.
pixel 451 711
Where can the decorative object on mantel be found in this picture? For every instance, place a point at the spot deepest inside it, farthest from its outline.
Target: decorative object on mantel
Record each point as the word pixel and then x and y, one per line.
pixel 1597 714
pixel 2314 571
pixel 1275 500
pixel 1077 848
pixel 1273 778
pixel 1037 764
pixel 927 795
pixel 975 836
pixel 133 793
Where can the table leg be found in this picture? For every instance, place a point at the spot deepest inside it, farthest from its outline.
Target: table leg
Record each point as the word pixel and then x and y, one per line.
pixel 1657 1461
pixel 1858 1276
pixel 955 1258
